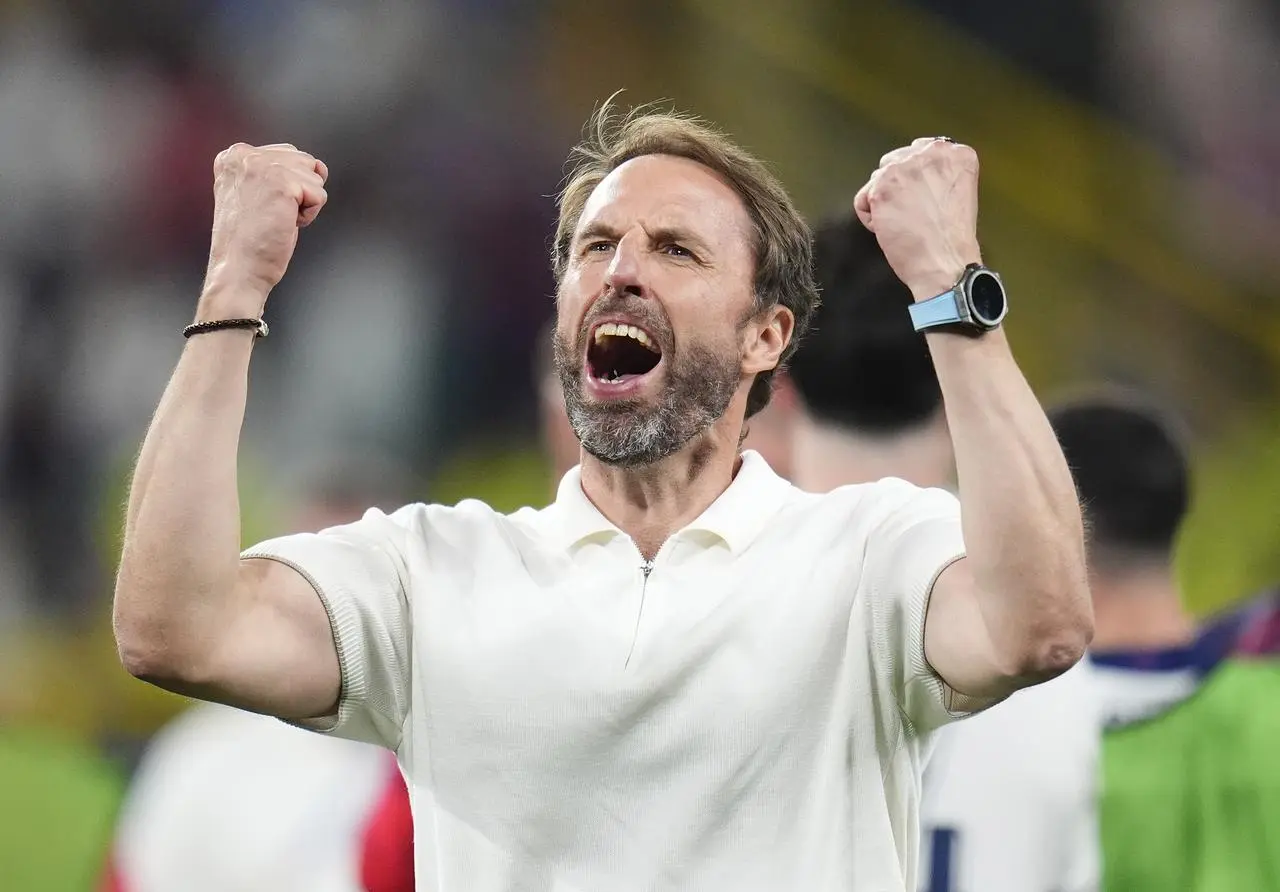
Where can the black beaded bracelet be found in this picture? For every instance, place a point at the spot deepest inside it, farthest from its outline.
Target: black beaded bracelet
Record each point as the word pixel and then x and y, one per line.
pixel 196 328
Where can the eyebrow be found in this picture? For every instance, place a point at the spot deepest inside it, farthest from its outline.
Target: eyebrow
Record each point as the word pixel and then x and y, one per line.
pixel 678 234
pixel 596 230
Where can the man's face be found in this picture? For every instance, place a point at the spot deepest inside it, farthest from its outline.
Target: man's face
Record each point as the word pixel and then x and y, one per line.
pixel 654 310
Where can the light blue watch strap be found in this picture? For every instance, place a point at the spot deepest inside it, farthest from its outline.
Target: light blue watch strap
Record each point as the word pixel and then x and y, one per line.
pixel 941 310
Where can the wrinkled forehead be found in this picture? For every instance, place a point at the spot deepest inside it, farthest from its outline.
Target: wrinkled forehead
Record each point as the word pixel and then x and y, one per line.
pixel 662 192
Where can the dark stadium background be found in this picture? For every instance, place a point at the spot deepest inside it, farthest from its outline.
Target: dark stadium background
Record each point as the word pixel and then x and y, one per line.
pixel 1131 197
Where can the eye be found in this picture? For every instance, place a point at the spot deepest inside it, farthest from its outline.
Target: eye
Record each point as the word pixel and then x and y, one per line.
pixel 599 246
pixel 674 250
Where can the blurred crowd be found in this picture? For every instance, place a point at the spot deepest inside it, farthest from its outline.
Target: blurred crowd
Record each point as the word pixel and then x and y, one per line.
pixel 432 256
pixel 402 338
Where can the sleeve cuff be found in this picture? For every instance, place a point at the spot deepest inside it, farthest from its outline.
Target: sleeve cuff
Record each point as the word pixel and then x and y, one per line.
pixel 356 717
pixel 941 703
pixel 929 701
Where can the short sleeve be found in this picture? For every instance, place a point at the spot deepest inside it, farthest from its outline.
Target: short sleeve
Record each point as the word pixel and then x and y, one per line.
pixel 917 535
pixel 359 572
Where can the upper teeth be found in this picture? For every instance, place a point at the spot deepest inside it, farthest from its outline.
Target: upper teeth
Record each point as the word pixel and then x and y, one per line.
pixel 624 331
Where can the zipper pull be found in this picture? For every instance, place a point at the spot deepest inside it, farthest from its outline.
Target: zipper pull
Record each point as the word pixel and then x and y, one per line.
pixel 646 568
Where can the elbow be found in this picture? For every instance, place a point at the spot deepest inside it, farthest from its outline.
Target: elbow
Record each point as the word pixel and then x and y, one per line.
pixel 166 635
pixel 1054 655
pixel 143 655
pixel 158 664
pixel 147 649
pixel 1058 644
pixel 142 664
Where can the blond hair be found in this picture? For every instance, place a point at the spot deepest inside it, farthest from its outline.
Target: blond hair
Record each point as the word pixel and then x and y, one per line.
pixel 783 244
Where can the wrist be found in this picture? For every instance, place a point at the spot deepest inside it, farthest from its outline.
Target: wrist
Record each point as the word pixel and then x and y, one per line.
pixel 940 278
pixel 948 342
pixel 925 288
pixel 225 297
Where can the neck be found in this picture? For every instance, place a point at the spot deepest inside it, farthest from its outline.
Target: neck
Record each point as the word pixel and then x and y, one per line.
pixel 1139 608
pixel 651 502
pixel 827 456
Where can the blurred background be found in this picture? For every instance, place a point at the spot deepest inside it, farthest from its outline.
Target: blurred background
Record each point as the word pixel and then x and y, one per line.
pixel 1131 198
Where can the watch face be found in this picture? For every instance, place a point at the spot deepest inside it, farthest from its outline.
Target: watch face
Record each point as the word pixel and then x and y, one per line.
pixel 986 297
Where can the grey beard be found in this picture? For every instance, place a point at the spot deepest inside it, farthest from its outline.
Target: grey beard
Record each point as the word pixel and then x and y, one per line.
pixel 626 441
pixel 697 392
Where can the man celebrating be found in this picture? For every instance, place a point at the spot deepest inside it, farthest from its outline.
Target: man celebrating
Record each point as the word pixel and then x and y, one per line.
pixel 683 673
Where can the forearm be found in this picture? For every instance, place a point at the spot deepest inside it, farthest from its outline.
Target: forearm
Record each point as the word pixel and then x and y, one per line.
pixel 180 558
pixel 1021 518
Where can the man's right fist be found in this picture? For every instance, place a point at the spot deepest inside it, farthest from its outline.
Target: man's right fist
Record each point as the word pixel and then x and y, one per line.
pixel 262 195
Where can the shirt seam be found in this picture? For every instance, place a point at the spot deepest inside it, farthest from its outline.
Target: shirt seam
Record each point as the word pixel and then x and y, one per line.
pixel 948 692
pixel 344 702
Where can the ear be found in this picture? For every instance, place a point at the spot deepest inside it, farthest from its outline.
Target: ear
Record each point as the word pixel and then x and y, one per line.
pixel 767 336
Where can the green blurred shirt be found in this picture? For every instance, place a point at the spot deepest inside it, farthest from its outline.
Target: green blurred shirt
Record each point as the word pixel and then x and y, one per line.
pixel 58 804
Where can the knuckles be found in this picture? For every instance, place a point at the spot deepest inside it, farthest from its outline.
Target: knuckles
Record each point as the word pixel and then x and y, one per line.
pixel 953 155
pixel 950 154
pixel 252 162
pixel 231 155
pixel 903 170
pixel 954 159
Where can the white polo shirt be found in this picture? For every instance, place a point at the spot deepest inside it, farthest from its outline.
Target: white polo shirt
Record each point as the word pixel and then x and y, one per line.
pixel 749 711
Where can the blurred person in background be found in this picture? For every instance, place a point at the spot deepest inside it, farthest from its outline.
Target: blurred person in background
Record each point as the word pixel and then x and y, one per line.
pixel 869 401
pixel 549 737
pixel 1190 779
pixel 225 799
pixel 1006 803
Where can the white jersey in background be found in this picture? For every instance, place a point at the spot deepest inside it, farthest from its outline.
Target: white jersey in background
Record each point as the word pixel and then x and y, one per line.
pixel 229 800
pixel 1133 693
pixel 1009 795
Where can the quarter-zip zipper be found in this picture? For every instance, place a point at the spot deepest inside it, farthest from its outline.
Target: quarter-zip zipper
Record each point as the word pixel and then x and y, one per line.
pixel 645 569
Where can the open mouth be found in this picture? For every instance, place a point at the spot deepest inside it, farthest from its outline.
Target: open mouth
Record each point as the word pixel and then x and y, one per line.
pixel 621 353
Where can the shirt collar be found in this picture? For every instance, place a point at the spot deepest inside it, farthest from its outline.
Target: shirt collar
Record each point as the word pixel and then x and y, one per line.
pixel 735 518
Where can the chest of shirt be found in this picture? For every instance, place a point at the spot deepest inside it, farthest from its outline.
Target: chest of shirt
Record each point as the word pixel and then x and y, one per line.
pixel 700 647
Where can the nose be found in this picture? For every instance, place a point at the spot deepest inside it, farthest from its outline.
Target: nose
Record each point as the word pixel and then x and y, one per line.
pixel 624 274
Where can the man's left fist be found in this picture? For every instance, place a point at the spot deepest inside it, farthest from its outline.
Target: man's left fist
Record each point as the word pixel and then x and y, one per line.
pixel 922 204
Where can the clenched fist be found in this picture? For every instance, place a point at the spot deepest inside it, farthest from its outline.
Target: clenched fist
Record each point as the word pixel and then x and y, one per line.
pixel 262 196
pixel 922 204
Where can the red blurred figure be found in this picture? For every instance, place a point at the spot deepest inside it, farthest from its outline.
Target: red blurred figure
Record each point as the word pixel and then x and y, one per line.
pixel 386 862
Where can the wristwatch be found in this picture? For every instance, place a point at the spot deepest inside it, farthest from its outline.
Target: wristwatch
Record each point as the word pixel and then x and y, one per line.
pixel 976 304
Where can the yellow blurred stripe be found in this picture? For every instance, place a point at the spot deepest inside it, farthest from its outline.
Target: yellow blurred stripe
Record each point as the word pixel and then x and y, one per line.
pixel 1057 162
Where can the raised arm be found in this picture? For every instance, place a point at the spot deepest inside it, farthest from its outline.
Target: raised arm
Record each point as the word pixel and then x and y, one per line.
pixel 1016 611
pixel 190 615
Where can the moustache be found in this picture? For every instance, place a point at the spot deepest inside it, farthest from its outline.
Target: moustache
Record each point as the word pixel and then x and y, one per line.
pixel 642 311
